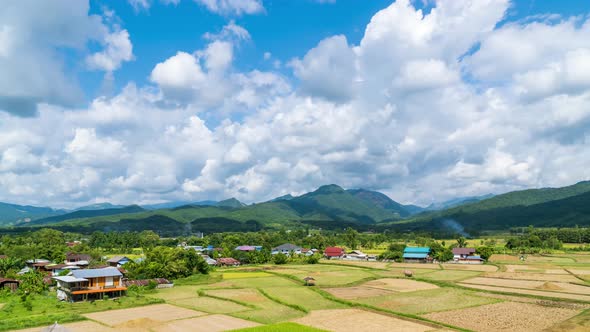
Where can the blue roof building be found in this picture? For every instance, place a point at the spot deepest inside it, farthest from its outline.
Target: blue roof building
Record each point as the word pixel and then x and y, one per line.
pixel 416 254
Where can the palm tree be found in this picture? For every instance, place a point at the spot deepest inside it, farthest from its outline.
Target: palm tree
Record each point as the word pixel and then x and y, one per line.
pixel 461 242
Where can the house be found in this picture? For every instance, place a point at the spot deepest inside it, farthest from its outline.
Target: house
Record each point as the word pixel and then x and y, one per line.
pixel 209 260
pixel 118 261
pixel 11 284
pixel 248 248
pixel 286 249
pixel 228 261
pixel 333 252
pixel 475 259
pixel 74 258
pixel 416 255
pixel 459 253
pixel 356 255
pixel 38 264
pixel 90 284
pixel 57 269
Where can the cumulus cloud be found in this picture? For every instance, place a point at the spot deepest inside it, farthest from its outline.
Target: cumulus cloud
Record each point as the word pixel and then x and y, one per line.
pixel 415 110
pixel 34 40
pixel 233 7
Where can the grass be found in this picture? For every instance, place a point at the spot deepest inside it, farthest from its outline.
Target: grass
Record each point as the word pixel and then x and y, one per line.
pixel 281 327
pixel 265 311
pixel 330 275
pixel 240 275
pixel 46 310
pixel 302 296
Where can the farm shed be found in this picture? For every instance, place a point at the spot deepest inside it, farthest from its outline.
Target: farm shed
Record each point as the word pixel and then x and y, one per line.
pixel 11 284
pixel 228 261
pixel 309 281
pixel 416 254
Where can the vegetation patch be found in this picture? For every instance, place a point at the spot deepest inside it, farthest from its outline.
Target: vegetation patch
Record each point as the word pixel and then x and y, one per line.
pixel 240 275
pixel 281 327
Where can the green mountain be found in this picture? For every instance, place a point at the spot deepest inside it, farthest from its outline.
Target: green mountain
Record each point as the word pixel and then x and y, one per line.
pixel 13 213
pixel 381 200
pixel 80 214
pixel 329 207
pixel 556 207
pixel 232 203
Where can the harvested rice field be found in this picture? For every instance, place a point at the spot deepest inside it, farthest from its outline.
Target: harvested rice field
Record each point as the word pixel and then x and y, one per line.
pixel 157 313
pixel 416 266
pixel 400 285
pixel 505 316
pixel 210 323
pixel 428 301
pixel 83 326
pixel 533 276
pixel 558 295
pixel 375 265
pixel 354 320
pixel 530 284
pixel 469 267
pixel 357 292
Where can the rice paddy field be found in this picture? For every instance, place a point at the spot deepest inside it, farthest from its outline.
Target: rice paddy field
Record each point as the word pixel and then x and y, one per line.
pixel 550 293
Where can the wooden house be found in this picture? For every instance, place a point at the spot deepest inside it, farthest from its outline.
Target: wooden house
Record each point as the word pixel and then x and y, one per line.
pixel 466 256
pixel 90 284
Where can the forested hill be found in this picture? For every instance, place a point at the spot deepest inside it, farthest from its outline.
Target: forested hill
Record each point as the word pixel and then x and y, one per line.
pixel 555 207
pixel 13 213
pixel 88 214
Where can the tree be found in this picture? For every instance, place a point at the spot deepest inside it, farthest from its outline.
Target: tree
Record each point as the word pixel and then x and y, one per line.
pixel 461 242
pixel 444 255
pixel 351 238
pixel 485 252
pixel 32 283
pixel 8 264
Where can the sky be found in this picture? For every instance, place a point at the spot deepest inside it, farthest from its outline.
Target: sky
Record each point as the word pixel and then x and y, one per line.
pixel 147 101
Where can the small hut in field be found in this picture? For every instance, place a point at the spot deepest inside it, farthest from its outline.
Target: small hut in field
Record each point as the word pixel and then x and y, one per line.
pixel 309 281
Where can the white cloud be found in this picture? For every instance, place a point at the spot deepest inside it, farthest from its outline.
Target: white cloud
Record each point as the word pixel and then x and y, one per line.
pixel 118 49
pixel 34 40
pixel 328 70
pixel 233 7
pixel 412 110
pixel 139 5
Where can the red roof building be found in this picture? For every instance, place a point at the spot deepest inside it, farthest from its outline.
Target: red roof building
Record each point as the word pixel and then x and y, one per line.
pixel 334 252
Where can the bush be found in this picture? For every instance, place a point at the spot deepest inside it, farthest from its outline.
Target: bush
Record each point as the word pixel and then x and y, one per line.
pixel 280 258
pixel 313 259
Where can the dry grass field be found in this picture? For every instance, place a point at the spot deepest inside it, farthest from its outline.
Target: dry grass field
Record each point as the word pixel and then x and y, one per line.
pixel 210 323
pixel 400 285
pixel 354 320
pixel 530 284
pixel 557 295
pixel 505 316
pixel 158 313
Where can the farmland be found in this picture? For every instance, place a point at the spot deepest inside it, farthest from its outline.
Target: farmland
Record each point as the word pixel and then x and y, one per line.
pixel 542 292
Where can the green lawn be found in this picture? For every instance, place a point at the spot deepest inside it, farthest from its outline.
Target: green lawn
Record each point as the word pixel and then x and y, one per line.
pixel 266 311
pixel 302 296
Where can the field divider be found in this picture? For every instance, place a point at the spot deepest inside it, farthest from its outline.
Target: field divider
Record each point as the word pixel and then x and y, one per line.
pixel 279 301
pixel 575 275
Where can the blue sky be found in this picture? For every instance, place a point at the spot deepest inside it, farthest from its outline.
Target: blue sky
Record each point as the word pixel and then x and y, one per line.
pixel 287 29
pixel 146 101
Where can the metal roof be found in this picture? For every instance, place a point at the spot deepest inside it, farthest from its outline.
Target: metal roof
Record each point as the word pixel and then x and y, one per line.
pixel 95 273
pixel 475 257
pixel 69 279
pixel 463 251
pixel 414 255
pixel 417 250
pixel 117 259
pixel 287 247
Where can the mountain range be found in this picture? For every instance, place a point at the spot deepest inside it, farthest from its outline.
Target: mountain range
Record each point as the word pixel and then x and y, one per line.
pixel 328 207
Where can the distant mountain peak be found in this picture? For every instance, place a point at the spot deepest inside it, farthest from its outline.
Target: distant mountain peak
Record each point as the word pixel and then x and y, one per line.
pixel 231 202
pixel 329 189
